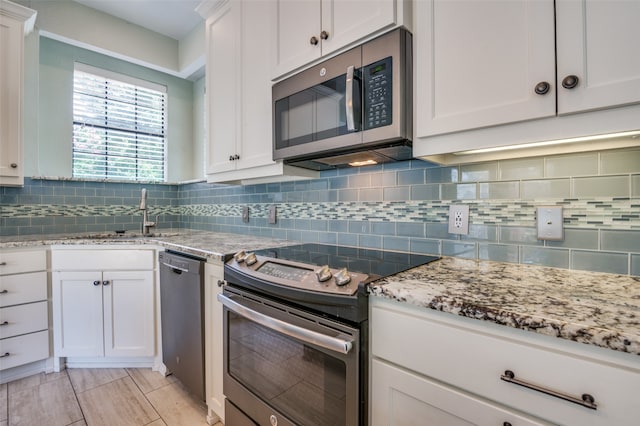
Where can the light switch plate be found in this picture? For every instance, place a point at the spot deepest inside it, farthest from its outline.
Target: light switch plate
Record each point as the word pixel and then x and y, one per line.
pixel 459 219
pixel 245 214
pixel 550 223
pixel 272 215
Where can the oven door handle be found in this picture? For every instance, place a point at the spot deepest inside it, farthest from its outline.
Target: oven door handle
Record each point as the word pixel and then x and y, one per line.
pixel 312 337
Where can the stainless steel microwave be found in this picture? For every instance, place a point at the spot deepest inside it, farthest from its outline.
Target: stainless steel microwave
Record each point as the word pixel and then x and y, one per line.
pixel 352 109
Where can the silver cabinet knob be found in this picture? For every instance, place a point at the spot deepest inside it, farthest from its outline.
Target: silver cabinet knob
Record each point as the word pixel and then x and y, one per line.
pixel 14 165
pixel 324 35
pixel 542 88
pixel 570 81
pixel 314 41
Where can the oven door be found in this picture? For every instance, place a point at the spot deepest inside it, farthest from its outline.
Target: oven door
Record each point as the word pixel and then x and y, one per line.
pixel 285 366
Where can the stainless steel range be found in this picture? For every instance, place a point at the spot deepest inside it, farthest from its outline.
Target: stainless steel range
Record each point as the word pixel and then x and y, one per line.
pixel 296 333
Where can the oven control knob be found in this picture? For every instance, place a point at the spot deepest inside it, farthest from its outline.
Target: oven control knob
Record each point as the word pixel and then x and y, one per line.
pixel 250 259
pixel 324 274
pixel 273 420
pixel 240 256
pixel 342 277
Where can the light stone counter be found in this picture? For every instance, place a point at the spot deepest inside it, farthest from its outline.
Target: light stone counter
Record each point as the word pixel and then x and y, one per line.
pixel 595 308
pixel 209 245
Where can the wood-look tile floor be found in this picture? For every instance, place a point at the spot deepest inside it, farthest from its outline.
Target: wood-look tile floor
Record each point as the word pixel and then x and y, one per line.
pixel 97 397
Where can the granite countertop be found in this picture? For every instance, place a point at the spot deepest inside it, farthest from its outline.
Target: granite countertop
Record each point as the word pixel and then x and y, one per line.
pixel 595 308
pixel 209 245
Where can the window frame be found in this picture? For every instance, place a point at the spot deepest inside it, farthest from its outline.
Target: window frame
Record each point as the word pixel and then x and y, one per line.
pixel 126 79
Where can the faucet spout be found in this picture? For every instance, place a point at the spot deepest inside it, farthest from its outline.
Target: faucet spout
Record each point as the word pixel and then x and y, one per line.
pixel 146 224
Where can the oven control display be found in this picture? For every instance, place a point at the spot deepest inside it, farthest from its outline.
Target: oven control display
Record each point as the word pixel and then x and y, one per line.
pixel 286 272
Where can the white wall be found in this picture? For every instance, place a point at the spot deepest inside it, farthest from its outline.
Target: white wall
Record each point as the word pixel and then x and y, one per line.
pixel 82 26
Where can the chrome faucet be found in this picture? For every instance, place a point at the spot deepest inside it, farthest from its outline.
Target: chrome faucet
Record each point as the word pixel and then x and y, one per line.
pixel 146 225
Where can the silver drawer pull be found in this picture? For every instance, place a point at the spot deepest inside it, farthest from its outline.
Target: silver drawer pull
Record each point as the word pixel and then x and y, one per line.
pixel 5 291
pixel 6 354
pixel 4 323
pixel 586 400
pixel 3 263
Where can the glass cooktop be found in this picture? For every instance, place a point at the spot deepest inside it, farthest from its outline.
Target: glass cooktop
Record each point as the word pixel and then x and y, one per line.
pixel 375 263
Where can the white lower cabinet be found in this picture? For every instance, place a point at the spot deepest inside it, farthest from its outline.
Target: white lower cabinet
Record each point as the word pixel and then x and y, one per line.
pixel 434 368
pixel 213 341
pixel 402 397
pixel 24 313
pixel 103 312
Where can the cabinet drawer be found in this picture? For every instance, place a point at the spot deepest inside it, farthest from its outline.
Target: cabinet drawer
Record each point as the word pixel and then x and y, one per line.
pixel 24 349
pixel 400 397
pixel 23 288
pixel 93 260
pixel 14 262
pixel 475 361
pixel 23 319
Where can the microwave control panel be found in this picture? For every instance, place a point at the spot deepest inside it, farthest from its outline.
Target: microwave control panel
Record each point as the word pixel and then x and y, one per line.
pixel 377 82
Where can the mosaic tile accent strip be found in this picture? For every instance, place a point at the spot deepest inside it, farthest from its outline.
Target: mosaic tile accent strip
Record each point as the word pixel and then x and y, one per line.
pixel 610 213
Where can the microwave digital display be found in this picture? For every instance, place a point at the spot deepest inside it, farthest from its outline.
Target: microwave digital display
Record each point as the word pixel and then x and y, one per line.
pixel 377 69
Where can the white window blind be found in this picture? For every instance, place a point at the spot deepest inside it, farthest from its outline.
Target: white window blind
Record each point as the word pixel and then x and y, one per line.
pixel 118 126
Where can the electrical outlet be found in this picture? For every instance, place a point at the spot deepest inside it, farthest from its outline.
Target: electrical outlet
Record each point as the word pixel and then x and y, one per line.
pixel 459 219
pixel 245 214
pixel 272 215
pixel 549 222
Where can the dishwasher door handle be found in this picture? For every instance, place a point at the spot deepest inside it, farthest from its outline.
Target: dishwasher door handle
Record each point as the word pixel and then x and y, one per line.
pixel 312 337
pixel 174 268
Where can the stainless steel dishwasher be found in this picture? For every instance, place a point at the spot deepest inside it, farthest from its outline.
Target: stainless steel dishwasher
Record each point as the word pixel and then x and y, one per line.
pixel 182 313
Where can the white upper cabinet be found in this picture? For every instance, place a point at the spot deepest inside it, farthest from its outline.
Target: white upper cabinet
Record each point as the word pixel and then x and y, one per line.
pixel 486 76
pixel 238 97
pixel 478 63
pixel 15 22
pixel 307 30
pixel 598 42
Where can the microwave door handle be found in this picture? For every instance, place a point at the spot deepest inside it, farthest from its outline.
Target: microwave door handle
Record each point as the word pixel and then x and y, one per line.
pixel 351 126
pixel 291 330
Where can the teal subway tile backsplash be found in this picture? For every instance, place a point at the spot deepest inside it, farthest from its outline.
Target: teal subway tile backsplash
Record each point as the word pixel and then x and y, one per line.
pixel 625 161
pixel 558 258
pixel 399 206
pixel 602 186
pixel 600 261
pixel 572 165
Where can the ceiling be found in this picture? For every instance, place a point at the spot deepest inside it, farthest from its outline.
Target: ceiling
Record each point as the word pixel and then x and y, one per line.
pixel 172 18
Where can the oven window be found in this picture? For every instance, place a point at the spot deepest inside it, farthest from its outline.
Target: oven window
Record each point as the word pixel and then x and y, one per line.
pixel 313 114
pixel 306 384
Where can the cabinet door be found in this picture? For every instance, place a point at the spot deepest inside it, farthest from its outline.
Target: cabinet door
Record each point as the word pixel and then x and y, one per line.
pixel 77 314
pixel 598 41
pixel 347 21
pixel 478 63
pixel 402 398
pixel 256 144
pixel 294 23
pixel 223 87
pixel 10 100
pixel 129 313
